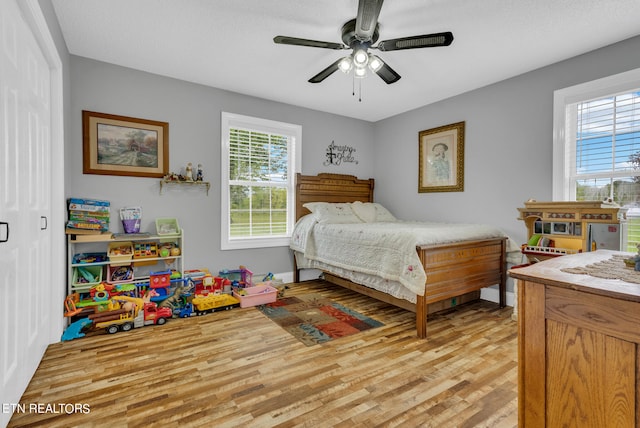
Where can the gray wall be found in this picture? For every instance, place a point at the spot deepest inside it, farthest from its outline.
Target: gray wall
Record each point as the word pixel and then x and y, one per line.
pixel 508 143
pixel 508 148
pixel 193 112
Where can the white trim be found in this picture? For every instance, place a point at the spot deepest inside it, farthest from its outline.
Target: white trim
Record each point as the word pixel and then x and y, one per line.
pixel 566 99
pixel 229 120
pixel 492 294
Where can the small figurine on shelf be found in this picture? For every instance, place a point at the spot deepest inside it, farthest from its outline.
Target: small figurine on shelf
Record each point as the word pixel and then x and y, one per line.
pixel 172 176
pixel 199 176
pixel 189 172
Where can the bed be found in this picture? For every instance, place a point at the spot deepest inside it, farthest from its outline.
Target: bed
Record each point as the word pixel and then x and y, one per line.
pixel 452 267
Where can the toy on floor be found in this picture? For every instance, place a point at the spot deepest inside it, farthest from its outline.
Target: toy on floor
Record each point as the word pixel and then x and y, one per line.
pixel 214 302
pixel 206 283
pixel 74 331
pixel 122 313
pixel 134 312
pixel 240 278
pixel 174 301
pixel 161 283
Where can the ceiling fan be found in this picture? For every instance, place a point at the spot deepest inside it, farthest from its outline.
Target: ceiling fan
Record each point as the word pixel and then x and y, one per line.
pixel 360 35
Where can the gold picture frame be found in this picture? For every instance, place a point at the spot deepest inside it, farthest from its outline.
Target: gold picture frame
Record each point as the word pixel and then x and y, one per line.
pixel 441 159
pixel 120 145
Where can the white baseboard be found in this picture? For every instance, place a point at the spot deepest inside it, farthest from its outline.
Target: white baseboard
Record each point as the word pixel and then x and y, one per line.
pixel 492 294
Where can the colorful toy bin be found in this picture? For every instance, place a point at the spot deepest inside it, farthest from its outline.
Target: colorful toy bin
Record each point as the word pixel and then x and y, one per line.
pixel 120 253
pixel 87 276
pixel 167 226
pixel 254 296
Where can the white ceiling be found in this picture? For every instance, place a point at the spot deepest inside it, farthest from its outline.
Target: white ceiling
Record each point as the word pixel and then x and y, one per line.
pixel 228 44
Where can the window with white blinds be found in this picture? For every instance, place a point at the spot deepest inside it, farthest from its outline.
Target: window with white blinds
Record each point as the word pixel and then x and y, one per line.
pixel 597 145
pixel 607 149
pixel 259 162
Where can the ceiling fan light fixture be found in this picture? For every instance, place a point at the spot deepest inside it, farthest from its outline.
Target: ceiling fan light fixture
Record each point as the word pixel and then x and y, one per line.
pixel 360 72
pixel 360 57
pixel 361 34
pixel 346 64
pixel 375 63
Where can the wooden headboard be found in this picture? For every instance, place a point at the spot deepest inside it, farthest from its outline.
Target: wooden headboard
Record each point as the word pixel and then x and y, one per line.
pixel 326 187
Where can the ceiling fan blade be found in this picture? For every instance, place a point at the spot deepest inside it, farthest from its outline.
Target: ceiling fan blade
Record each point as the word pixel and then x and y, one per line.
pixel 367 19
pixel 425 41
pixel 285 40
pixel 387 74
pixel 325 73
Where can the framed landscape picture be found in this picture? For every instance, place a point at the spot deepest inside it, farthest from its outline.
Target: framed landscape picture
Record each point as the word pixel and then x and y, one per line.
pixel 119 145
pixel 441 159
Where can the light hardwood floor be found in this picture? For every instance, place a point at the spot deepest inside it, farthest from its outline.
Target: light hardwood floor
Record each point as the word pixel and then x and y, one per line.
pixel 237 368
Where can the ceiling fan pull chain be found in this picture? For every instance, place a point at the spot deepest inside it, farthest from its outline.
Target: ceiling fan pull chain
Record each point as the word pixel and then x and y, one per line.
pixel 359 90
pixel 353 85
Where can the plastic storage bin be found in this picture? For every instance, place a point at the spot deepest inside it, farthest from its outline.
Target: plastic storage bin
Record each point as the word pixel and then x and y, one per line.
pixel 167 226
pixel 120 253
pixel 119 274
pixel 254 296
pixel 89 258
pixel 87 276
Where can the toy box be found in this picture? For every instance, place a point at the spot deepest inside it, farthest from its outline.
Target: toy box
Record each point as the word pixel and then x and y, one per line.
pixel 89 258
pixel 167 226
pixel 120 253
pixel 87 276
pixel 254 296
pixel 119 274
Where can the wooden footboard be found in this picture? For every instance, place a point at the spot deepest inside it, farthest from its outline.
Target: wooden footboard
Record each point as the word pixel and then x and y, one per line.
pixel 459 268
pixel 453 270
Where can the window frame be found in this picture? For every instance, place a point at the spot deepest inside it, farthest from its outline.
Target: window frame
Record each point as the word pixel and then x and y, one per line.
pixel 564 109
pixel 233 120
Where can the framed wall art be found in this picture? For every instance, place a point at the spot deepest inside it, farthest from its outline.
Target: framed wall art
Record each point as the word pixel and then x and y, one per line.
pixel 119 145
pixel 441 159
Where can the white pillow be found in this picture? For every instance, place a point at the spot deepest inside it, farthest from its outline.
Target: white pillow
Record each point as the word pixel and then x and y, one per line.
pixel 365 211
pixel 383 214
pixel 326 212
pixel 313 206
pixel 370 212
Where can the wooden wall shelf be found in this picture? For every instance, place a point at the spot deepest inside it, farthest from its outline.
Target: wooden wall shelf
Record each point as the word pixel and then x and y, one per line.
pixel 203 184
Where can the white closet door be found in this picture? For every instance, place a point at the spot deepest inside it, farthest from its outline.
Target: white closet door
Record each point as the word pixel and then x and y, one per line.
pixel 25 206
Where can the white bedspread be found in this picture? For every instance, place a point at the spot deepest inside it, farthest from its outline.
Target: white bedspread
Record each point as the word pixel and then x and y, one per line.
pixel 387 250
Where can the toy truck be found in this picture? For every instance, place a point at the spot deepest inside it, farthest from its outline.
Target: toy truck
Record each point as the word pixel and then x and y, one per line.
pixel 214 302
pixel 185 312
pixel 132 313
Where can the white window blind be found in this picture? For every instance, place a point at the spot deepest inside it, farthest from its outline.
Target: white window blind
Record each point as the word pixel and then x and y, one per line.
pixel 260 159
pixel 607 148
pixel 258 183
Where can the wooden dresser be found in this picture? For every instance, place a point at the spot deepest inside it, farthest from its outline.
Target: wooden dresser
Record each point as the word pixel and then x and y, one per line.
pixel 578 345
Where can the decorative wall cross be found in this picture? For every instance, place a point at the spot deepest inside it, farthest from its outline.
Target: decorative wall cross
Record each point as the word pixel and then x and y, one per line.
pixel 338 154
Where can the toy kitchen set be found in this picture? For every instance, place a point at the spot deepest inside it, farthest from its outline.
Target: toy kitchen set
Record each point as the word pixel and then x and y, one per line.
pixel 560 228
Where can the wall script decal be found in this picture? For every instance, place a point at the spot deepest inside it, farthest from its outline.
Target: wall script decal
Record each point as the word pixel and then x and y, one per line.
pixel 338 154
